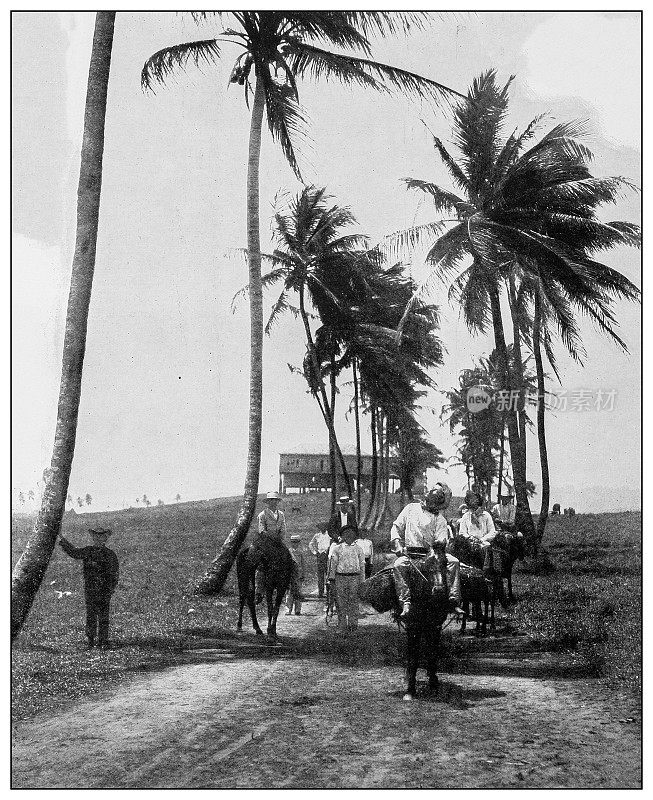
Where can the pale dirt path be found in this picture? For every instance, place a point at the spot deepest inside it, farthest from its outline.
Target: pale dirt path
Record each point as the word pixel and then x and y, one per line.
pixel 314 714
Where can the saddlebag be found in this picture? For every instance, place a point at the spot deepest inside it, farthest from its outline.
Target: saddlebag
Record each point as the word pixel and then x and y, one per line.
pixel 379 590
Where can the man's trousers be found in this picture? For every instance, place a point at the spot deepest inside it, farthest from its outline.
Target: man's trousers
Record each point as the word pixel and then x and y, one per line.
pixel 402 566
pixel 322 562
pixel 347 601
pixel 97 617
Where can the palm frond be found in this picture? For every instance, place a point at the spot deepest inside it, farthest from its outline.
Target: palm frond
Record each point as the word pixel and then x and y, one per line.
pixel 286 119
pixel 278 308
pixel 383 77
pixel 442 200
pixel 164 63
pixel 401 244
pixel 454 169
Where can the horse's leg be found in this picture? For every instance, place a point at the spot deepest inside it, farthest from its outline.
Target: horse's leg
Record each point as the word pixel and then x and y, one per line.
pixel 251 604
pixel 485 611
pixel 493 599
pixel 511 596
pixel 463 624
pixel 478 613
pixel 414 634
pixel 433 645
pixel 270 598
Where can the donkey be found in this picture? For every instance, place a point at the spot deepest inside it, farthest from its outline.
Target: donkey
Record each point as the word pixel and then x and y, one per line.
pixel 508 546
pixel 428 590
pixel 478 592
pixel 491 562
pixel 277 569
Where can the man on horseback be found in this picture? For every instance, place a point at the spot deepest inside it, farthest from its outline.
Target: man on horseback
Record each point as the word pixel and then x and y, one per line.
pixel 505 512
pixel 477 523
pixel 271 533
pixel 415 532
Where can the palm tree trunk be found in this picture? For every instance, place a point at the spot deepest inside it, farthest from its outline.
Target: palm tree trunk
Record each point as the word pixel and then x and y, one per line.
pixel 327 412
pixel 541 433
pixel 501 454
pixel 31 566
pixel 525 520
pixel 375 467
pixel 382 484
pixel 332 382
pixel 519 370
pixel 213 581
pixel 359 460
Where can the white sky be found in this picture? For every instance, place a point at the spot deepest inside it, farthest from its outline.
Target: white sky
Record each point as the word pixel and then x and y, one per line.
pixel 164 403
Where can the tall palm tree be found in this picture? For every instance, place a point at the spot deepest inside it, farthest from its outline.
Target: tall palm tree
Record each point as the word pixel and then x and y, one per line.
pixel 277 49
pixel 520 209
pixel 31 566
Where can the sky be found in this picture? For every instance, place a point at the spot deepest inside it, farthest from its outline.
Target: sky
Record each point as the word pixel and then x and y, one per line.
pixel 164 397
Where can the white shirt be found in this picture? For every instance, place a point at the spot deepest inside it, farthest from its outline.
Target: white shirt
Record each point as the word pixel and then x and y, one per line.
pixel 505 513
pixel 417 527
pixel 320 543
pixel 366 546
pixel 346 558
pixel 343 519
pixel 481 528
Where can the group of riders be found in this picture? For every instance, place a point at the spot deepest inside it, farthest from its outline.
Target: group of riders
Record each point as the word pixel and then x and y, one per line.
pixel 419 538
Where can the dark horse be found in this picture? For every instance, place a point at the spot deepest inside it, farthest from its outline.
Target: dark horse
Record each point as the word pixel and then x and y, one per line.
pixel 511 543
pixel 490 561
pixel 276 565
pixel 427 579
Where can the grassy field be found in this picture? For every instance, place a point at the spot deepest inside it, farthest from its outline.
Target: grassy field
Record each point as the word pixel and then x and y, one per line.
pixel 590 603
pixel 593 600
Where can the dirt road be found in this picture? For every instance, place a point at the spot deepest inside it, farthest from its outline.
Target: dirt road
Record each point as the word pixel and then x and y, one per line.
pixel 323 712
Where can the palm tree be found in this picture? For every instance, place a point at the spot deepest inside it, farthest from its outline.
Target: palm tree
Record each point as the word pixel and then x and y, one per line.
pixel 30 568
pixel 30 495
pixel 88 499
pixel 21 498
pixel 278 48
pixel 522 208
pixel 177 497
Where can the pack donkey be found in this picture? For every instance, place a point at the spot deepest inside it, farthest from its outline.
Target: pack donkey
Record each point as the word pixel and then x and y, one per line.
pixel 429 605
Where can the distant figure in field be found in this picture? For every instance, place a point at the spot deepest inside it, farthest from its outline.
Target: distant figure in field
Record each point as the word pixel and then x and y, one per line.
pixel 555 511
pixel 294 596
pixel 100 569
pixel 506 511
pixel 319 547
pixel 343 517
pixel 570 512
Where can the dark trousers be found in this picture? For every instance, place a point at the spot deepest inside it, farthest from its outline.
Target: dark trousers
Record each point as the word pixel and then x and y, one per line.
pixel 368 567
pixel 322 561
pixel 97 617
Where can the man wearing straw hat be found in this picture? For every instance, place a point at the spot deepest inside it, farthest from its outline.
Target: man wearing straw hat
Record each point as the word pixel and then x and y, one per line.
pixel 417 528
pixel 100 570
pixel 271 533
